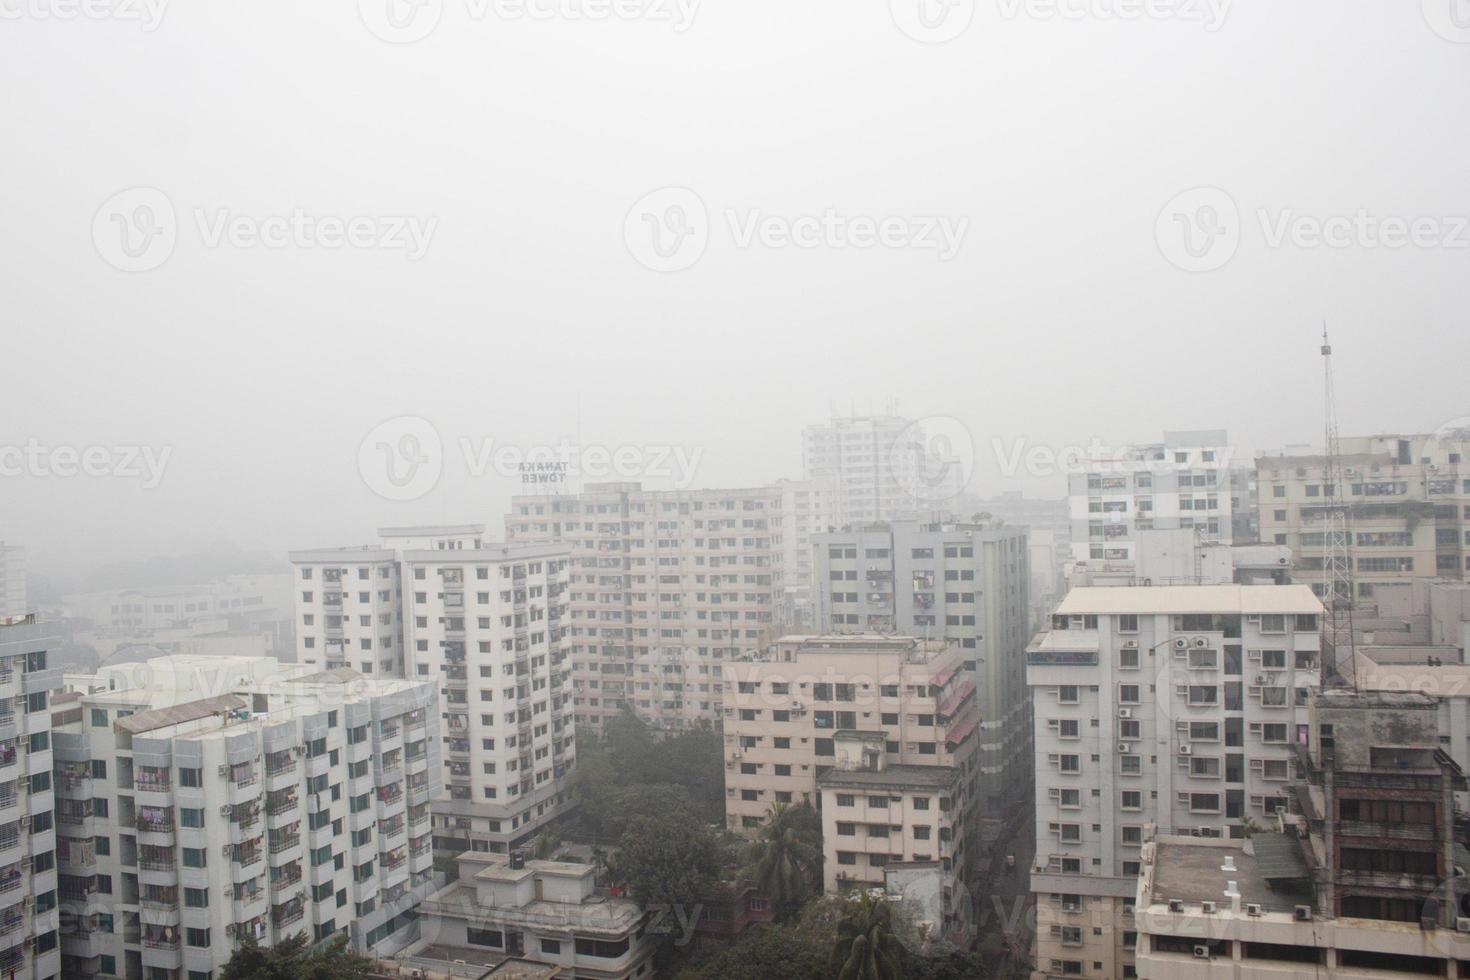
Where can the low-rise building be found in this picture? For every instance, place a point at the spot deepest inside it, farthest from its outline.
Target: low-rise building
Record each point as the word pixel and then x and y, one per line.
pixel 549 912
pixel 850 708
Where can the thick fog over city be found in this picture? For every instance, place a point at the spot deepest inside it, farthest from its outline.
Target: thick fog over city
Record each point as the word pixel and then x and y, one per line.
pixel 686 488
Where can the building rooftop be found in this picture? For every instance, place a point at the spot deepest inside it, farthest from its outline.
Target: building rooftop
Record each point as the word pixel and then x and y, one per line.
pixel 147 721
pixel 504 872
pixel 421 530
pixel 1193 871
pixel 891 776
pixel 1185 599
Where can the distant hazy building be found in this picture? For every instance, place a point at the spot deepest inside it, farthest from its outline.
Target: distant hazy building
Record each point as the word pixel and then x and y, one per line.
pixel 1408 498
pixel 663 587
pixel 12 582
pixel 881 467
pixel 202 802
pixel 1183 482
pixel 808 507
pixel 966 584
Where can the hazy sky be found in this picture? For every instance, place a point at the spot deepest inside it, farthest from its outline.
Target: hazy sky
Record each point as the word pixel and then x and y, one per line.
pixel 1050 139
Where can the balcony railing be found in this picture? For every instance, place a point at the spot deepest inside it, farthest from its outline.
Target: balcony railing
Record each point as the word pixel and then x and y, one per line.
pixel 288 876
pixel 284 841
pixel 160 940
pixel 281 768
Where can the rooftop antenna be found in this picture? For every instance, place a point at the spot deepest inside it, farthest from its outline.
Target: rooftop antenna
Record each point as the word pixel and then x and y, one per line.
pixel 1337 561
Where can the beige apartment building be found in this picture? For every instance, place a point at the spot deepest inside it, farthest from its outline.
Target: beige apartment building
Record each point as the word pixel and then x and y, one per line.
pixel 1408 501
pixel 824 714
pixel 663 587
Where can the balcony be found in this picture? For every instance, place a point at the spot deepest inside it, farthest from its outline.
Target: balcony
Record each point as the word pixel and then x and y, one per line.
pixel 285 915
pixel 280 841
pixel 285 877
pixel 165 938
pixel 164 899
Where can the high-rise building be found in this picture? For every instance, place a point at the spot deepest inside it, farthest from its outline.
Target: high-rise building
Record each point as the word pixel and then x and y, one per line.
pixel 966 584
pixel 485 623
pixel 664 587
pixel 1178 706
pixel 205 801
pixel 881 467
pixel 898 712
pixel 1360 880
pixel 1408 500
pixel 29 917
pixel 1183 482
pixel 807 509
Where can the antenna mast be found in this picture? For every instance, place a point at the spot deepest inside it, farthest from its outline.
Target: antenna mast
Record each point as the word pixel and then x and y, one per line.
pixel 1338 593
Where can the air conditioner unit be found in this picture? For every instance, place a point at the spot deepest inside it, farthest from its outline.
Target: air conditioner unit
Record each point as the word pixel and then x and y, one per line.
pixel 1130 645
pixel 224 770
pixel 1208 908
pixel 1252 909
pixel 1186 749
pixel 1181 643
pixel 1176 905
pixel 1124 748
pixel 1302 913
pixel 1202 952
pixel 1125 712
pixel 1462 924
pixel 1201 642
pixel 224 811
pixel 1262 679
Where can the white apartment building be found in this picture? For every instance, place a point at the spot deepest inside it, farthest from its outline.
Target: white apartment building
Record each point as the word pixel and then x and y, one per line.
pixel 532 912
pixel 665 586
pixel 808 508
pixel 30 919
pixel 967 584
pixel 813 704
pixel 486 625
pixel 12 582
pixel 881 468
pixel 1172 705
pixel 485 622
pixel 202 801
pixel 1183 482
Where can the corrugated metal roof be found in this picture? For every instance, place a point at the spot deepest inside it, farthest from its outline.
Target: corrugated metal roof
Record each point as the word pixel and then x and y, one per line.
pixel 147 721
pixel 1182 599
pixel 1279 856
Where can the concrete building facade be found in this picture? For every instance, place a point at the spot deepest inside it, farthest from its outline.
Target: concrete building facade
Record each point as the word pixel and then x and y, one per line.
pixel 881 468
pixel 664 587
pixel 1177 706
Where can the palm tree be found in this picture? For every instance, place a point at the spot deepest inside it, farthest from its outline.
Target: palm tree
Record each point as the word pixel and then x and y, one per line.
pixel 865 948
pixel 788 856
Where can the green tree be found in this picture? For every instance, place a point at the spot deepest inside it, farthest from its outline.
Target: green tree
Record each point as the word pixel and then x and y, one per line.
pixel 667 859
pixel 763 952
pixel 294 959
pixel 788 856
pixel 865 947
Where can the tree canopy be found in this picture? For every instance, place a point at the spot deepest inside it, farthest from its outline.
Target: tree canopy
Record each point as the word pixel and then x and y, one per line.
pixel 294 959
